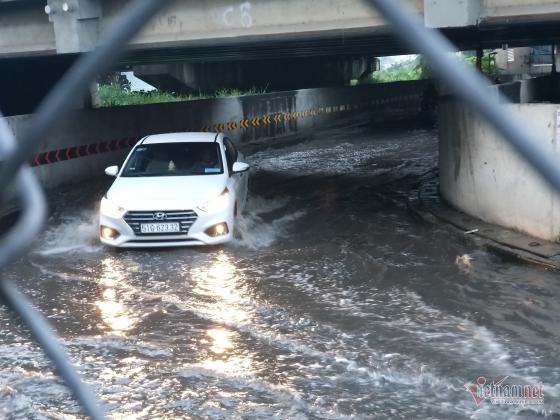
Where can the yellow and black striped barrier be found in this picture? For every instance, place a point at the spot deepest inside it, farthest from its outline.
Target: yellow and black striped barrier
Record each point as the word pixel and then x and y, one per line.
pixel 277 118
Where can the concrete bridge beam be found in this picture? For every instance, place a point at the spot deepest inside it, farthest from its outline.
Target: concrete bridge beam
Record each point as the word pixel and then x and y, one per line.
pixel 273 74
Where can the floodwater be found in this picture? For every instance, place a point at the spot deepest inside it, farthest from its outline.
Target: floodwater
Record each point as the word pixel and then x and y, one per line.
pixel 335 301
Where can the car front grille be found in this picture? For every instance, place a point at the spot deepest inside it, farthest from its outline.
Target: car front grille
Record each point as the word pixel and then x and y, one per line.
pixel 185 218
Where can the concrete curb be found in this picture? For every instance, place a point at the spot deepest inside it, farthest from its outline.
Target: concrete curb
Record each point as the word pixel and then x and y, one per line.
pixel 427 203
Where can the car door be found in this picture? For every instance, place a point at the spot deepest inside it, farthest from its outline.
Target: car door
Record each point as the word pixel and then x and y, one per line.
pixel 244 179
pixel 239 180
pixel 243 176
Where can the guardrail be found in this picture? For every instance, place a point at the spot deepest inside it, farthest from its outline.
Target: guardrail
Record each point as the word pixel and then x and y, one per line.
pixel 469 85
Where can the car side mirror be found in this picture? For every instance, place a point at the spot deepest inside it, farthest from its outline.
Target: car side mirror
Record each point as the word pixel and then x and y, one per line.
pixel 112 170
pixel 240 167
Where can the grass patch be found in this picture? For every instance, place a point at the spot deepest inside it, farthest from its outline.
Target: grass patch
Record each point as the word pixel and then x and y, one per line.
pixel 116 95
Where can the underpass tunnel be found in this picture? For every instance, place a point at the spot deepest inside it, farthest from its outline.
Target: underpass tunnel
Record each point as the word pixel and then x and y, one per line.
pixel 346 292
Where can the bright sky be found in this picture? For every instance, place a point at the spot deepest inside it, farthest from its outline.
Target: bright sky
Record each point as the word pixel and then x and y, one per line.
pixel 387 62
pixel 137 84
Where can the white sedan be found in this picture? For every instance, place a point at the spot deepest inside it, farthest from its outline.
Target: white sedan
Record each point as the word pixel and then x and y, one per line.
pixel 173 190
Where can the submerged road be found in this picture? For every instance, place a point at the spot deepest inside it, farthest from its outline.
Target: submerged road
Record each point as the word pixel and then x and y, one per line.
pixel 335 301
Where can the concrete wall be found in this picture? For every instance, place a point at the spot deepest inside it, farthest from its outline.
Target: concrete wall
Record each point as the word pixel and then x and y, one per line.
pixel 89 140
pixel 483 176
pixel 535 90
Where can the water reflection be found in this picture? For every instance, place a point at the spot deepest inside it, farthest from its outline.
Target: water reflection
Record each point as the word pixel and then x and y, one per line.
pixel 115 313
pixel 221 340
pixel 223 299
pixel 222 295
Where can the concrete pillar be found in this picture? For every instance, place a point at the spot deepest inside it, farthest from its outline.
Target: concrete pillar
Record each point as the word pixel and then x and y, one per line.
pixel 281 74
pixel 479 56
pixel 451 13
pixel 76 24
pixel 483 176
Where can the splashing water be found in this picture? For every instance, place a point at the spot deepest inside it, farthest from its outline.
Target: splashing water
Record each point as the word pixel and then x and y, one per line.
pixel 258 227
pixel 72 234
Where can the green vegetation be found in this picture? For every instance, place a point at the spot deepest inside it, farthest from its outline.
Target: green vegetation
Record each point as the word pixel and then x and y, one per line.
pixel 418 68
pixel 488 63
pixel 414 69
pixel 117 94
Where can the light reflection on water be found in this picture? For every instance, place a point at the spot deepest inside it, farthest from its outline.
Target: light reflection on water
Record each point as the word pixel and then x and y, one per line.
pixel 115 310
pixel 220 340
pixel 222 298
pixel 222 294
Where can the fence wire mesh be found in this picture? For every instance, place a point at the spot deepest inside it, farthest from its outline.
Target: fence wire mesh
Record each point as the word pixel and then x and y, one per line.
pixel 465 82
pixel 13 155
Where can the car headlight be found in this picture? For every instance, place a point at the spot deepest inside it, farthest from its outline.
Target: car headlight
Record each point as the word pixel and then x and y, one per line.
pixel 108 208
pixel 216 204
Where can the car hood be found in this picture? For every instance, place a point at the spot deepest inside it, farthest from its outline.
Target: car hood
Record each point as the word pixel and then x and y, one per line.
pixel 165 192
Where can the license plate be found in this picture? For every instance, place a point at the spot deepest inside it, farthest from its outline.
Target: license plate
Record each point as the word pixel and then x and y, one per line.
pixel 159 227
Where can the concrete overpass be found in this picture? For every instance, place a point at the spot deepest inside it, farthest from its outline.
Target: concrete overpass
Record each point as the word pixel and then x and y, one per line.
pixel 205 45
pixel 231 30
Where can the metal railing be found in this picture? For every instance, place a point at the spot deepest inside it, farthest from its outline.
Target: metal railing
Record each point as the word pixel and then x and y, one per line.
pixel 468 84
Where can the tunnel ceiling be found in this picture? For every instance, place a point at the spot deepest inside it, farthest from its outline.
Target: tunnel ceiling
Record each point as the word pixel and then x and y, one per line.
pixel 367 44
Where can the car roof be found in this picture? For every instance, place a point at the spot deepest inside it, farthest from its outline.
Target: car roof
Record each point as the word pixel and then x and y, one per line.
pixel 181 138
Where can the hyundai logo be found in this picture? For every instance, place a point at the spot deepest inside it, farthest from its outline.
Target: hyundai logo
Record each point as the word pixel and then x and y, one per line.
pixel 160 216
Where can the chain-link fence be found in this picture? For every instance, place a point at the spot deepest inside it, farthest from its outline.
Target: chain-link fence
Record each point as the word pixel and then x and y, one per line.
pixel 464 81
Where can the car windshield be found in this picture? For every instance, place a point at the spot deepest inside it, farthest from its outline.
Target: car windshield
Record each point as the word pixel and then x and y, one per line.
pixel 174 159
